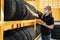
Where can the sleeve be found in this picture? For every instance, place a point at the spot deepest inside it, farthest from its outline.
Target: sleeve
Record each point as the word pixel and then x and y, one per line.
pixel 39 14
pixel 51 22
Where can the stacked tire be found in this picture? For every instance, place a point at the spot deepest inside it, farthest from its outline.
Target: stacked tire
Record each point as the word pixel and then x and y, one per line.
pixel 29 15
pixel 20 10
pixel 12 35
pixel 55 33
pixel 38 30
pixel 27 33
pixel 9 9
pixel 16 10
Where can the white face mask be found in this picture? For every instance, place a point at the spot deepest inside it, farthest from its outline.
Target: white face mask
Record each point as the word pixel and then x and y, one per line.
pixel 45 11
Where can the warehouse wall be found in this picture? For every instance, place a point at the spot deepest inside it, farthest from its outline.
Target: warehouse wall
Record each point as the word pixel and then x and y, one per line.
pixel 55 4
pixel 56 14
pixel 40 4
pixel 0 11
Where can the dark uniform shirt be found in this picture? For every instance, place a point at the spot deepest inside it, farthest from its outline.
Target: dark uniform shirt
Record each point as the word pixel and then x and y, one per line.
pixel 49 20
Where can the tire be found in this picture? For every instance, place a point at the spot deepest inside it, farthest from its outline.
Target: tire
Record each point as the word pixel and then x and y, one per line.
pixel 57 26
pixel 29 15
pixel 10 35
pixel 27 33
pixel 20 10
pixel 38 30
pixel 16 36
pixel 22 33
pixel 56 30
pixel 13 35
pixel 6 38
pixel 9 9
pixel 31 32
pixel 55 37
pixel 55 33
pixel 31 7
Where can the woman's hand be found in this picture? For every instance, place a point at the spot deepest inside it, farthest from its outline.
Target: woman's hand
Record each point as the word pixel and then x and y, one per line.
pixel 48 26
pixel 43 23
pixel 39 21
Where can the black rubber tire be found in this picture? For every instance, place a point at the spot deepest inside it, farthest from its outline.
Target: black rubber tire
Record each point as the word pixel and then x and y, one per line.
pixel 56 30
pixel 29 16
pixel 20 10
pixel 38 30
pixel 9 34
pixel 13 35
pixel 6 38
pixel 55 33
pixel 17 36
pixel 27 33
pixel 22 33
pixel 31 7
pixel 55 37
pixel 9 9
pixel 57 26
pixel 31 32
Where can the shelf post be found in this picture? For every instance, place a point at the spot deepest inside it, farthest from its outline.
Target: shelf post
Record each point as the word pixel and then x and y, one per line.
pixel 1 33
pixel 35 25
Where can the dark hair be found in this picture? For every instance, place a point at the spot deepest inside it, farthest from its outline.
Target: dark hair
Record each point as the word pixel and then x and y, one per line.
pixel 49 8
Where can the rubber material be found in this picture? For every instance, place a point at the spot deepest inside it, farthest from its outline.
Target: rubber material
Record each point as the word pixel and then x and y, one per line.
pixel 13 35
pixel 9 9
pixel 22 33
pixel 31 32
pixel 55 33
pixel 38 30
pixel 20 10
pixel 27 33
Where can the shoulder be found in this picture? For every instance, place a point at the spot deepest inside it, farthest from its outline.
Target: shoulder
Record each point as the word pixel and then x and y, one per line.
pixel 52 18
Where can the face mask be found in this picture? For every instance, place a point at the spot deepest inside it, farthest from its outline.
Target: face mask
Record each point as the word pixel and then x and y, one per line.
pixel 45 11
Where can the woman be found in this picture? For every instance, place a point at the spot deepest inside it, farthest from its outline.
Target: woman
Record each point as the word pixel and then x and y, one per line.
pixel 47 24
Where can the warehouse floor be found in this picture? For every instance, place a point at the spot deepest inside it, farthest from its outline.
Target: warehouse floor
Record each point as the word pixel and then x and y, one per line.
pixel 41 39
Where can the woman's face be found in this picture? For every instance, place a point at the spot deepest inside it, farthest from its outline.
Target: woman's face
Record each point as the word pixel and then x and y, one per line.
pixel 46 10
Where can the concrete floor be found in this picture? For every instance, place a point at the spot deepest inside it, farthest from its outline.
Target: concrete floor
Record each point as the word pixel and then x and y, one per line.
pixel 41 39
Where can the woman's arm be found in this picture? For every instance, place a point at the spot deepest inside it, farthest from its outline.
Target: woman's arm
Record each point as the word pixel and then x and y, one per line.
pixel 49 26
pixel 34 14
pixel 39 21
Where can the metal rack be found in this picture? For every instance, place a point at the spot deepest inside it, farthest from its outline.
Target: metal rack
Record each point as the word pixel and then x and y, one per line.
pixel 7 25
pixel 15 24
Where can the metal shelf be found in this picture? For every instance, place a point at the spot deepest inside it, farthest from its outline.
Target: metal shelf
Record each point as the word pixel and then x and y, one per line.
pixel 15 24
pixel 38 37
pixel 7 25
